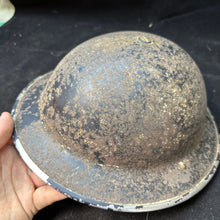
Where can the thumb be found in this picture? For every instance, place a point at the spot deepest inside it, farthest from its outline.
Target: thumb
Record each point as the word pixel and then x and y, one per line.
pixel 6 128
pixel 46 195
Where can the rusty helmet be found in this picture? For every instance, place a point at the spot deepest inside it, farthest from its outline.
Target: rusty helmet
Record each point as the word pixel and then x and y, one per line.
pixel 121 123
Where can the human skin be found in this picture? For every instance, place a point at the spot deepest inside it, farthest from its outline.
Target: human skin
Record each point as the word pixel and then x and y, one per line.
pixel 22 193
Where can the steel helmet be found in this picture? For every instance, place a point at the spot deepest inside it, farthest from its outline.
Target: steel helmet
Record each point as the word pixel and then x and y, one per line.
pixel 121 123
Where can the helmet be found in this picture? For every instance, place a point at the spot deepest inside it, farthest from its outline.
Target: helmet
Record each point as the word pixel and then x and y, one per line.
pixel 121 123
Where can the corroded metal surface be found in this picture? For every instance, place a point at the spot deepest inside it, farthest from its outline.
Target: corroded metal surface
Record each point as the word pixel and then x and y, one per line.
pixel 121 123
pixel 126 99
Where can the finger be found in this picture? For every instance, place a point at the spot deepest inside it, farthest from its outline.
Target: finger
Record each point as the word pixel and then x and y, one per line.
pixel 23 186
pixel 36 180
pixel 46 195
pixel 6 128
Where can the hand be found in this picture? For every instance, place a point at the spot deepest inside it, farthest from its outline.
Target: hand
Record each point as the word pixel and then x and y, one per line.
pixel 22 193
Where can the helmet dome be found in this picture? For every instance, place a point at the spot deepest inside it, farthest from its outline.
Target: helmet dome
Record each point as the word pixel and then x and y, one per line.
pixel 126 99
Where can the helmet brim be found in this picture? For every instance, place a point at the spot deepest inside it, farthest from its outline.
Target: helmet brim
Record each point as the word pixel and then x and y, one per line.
pixel 119 189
